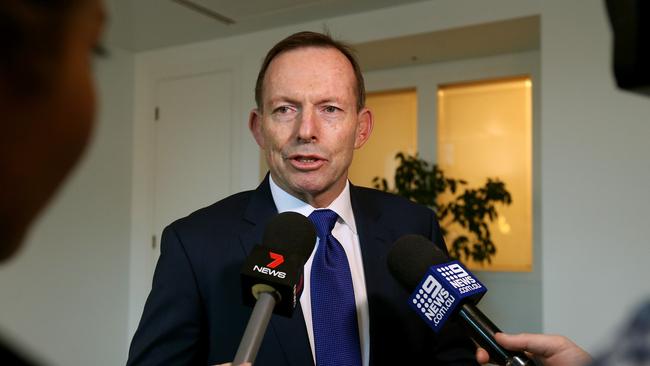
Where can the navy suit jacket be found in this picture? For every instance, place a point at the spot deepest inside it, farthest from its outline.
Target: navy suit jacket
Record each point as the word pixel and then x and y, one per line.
pixel 194 313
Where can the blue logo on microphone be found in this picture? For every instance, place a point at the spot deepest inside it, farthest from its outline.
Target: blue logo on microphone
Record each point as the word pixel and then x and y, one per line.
pixel 442 290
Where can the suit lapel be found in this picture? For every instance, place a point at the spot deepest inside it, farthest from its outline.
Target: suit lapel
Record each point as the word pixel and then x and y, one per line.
pixel 374 238
pixel 259 211
pixel 375 241
pixel 291 333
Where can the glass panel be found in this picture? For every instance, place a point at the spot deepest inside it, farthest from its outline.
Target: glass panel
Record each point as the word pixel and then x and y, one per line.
pixel 484 131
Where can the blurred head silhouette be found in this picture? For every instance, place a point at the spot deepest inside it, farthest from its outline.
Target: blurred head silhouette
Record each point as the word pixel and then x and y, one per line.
pixel 47 103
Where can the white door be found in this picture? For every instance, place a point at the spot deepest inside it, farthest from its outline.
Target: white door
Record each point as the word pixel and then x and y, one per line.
pixel 192 146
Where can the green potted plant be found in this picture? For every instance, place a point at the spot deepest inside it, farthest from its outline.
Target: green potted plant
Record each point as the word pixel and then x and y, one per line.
pixel 453 202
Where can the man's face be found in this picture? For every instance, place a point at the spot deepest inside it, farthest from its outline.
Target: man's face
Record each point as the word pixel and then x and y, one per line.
pixel 309 124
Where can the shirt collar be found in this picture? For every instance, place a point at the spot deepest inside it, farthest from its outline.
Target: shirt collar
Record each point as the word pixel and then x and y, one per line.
pixel 342 205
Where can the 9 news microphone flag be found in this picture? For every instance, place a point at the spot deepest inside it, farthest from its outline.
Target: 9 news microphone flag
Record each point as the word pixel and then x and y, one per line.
pixel 442 289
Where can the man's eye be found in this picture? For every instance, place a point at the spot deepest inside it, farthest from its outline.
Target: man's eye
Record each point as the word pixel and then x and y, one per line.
pixel 283 109
pixel 330 109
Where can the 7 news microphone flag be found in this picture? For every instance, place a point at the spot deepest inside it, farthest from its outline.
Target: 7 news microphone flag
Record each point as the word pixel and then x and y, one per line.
pixel 272 277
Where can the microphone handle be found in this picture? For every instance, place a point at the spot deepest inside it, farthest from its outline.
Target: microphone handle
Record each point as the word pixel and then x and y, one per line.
pixel 255 329
pixel 482 331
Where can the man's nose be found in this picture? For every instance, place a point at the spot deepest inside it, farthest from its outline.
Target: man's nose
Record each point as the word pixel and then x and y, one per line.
pixel 308 125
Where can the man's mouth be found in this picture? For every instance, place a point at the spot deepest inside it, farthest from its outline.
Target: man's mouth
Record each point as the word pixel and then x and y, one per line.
pixel 306 162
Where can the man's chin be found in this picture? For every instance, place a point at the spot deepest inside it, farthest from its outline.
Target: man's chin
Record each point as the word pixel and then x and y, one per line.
pixel 307 183
pixel 317 195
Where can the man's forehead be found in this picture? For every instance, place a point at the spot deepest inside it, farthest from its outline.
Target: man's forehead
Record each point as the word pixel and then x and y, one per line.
pixel 316 92
pixel 308 57
pixel 330 51
pixel 322 66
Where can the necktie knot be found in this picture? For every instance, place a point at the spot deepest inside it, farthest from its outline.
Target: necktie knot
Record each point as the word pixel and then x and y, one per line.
pixel 324 221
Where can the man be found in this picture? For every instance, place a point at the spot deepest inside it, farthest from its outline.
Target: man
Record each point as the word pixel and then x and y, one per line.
pixel 310 117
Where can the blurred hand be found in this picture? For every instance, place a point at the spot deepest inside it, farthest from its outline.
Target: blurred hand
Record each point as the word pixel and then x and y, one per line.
pixel 550 350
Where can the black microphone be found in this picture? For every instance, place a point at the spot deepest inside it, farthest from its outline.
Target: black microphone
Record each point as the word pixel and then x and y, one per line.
pixel 272 277
pixel 441 289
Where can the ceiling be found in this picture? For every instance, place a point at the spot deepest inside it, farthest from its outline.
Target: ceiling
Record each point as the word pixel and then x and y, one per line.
pixel 140 25
pixel 488 39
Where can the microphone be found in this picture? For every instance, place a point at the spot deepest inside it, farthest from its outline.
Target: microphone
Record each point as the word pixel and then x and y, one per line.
pixel 441 288
pixel 272 277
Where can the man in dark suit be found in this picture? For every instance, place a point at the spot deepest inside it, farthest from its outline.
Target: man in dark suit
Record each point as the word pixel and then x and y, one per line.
pixel 310 116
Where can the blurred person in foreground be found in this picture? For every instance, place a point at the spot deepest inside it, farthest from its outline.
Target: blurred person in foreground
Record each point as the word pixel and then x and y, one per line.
pixel 47 108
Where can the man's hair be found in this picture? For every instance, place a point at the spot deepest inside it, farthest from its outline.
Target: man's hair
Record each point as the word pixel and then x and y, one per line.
pixel 310 39
pixel 31 35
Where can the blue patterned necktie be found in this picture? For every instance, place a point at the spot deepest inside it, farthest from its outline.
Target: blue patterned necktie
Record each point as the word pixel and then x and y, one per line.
pixel 333 310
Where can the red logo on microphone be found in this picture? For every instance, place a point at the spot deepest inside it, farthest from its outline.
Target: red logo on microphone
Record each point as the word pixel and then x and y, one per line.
pixel 278 259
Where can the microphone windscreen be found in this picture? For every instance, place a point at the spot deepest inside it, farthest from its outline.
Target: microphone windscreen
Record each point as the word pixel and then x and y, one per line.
pixel 290 232
pixel 410 258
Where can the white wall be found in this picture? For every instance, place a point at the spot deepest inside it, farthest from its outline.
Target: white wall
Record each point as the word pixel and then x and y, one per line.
pixel 65 295
pixel 595 179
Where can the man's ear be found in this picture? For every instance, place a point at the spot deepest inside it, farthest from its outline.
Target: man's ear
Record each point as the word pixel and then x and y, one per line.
pixel 255 125
pixel 364 127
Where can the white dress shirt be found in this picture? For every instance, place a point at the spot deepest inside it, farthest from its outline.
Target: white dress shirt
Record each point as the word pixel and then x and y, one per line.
pixel 345 231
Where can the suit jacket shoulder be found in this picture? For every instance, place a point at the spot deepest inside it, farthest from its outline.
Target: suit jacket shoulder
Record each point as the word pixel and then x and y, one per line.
pixel 220 215
pixel 397 214
pixel 194 313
